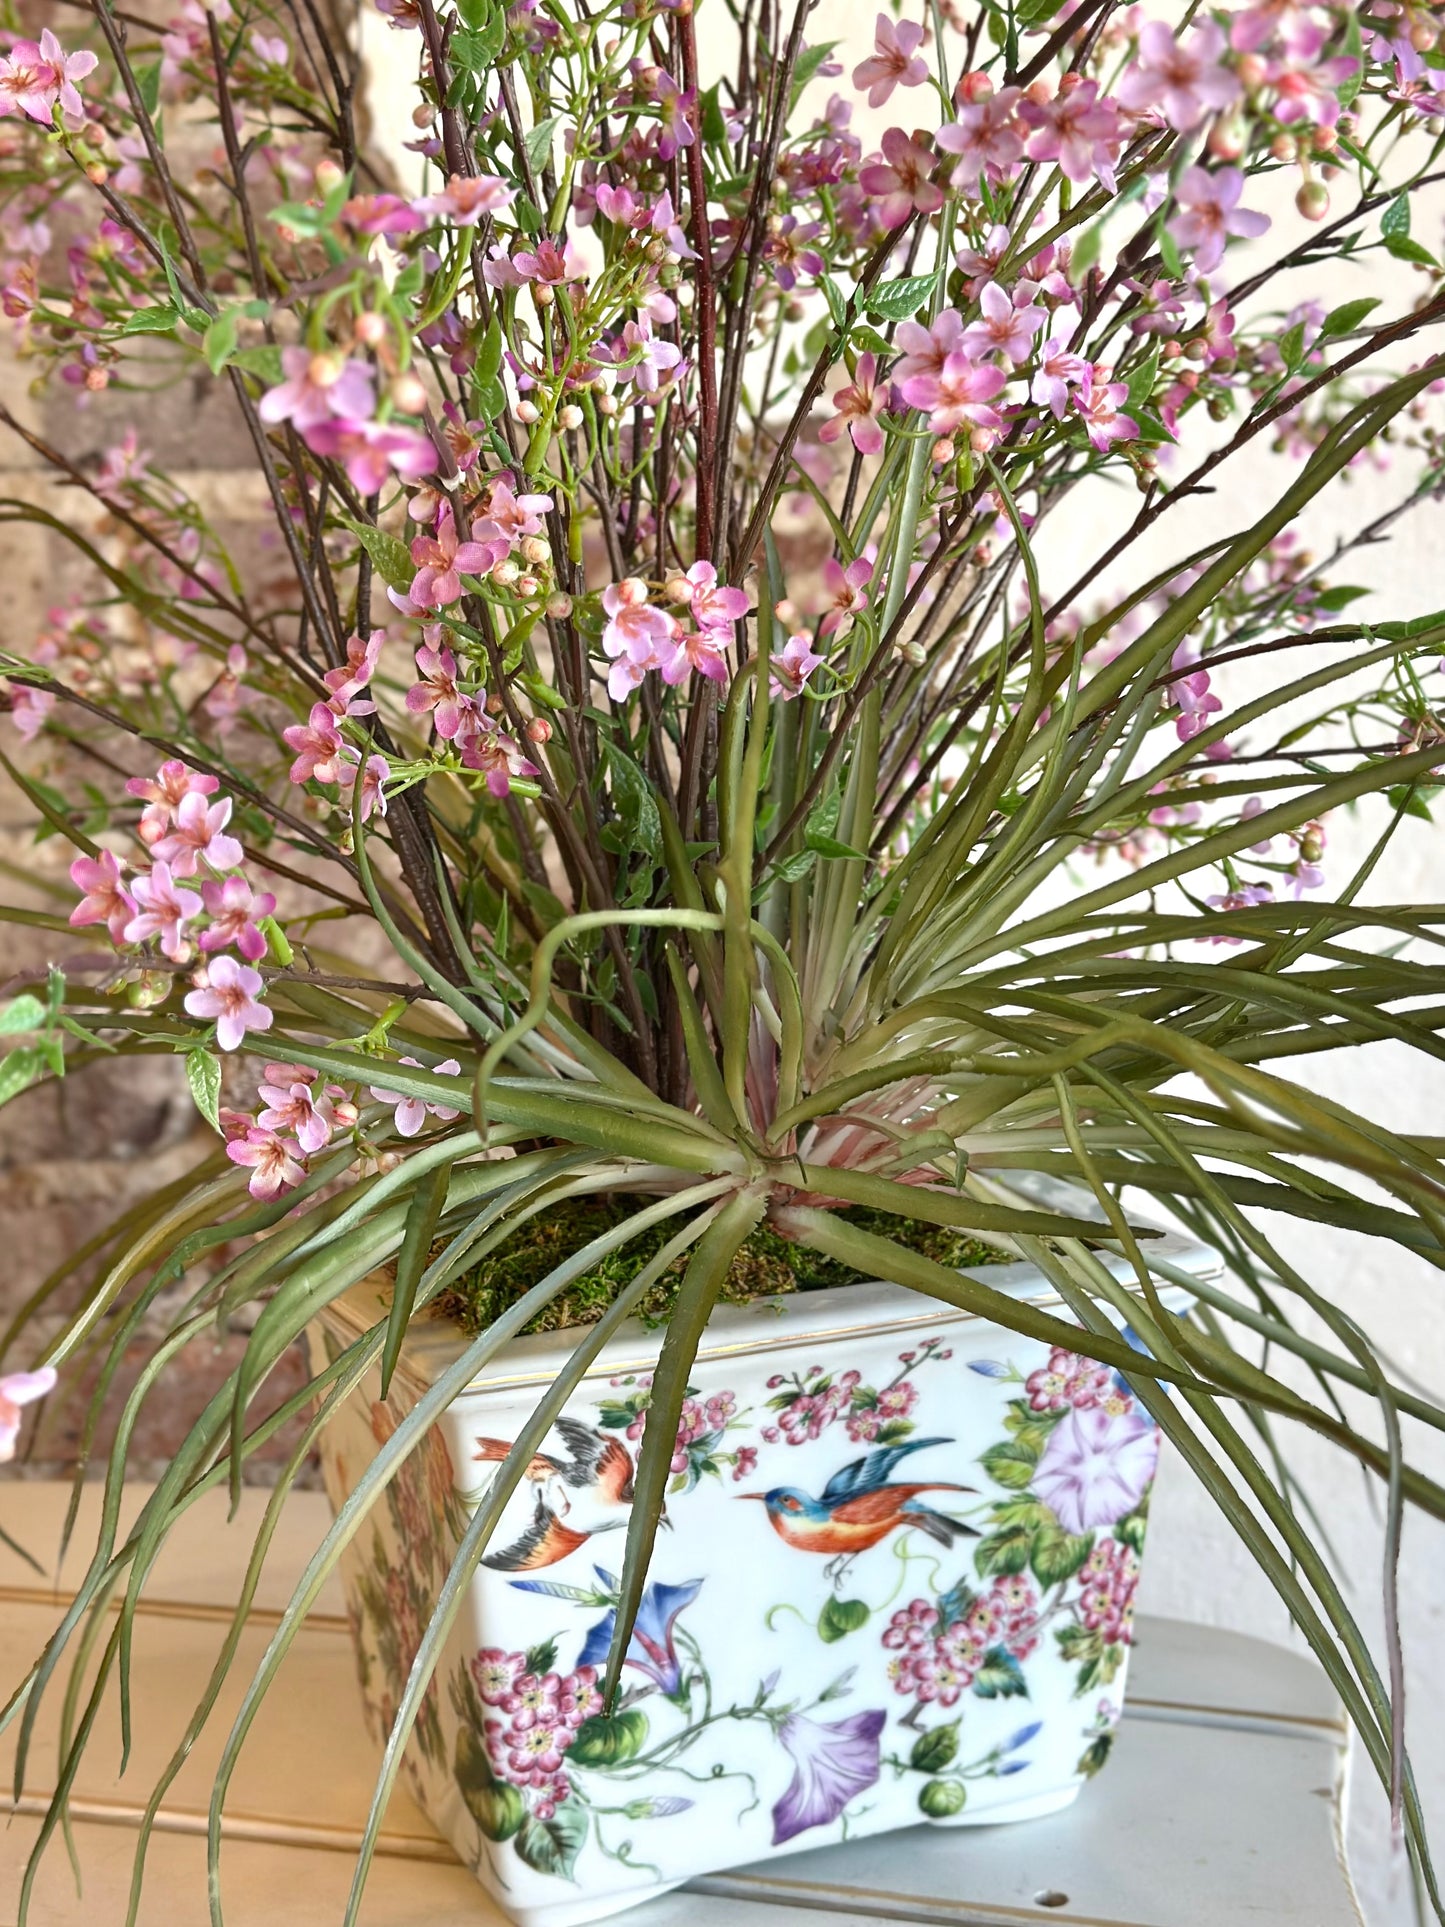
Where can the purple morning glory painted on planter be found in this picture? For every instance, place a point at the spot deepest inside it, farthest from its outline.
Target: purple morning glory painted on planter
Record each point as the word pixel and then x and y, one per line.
pixel 1096 1467
pixel 832 1763
pixel 651 1649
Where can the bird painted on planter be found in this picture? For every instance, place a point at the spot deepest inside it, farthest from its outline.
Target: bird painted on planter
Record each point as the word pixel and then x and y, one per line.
pixel 858 1507
pixel 576 1497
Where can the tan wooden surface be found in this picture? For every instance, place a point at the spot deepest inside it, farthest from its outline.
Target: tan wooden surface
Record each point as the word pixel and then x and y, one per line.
pixel 1220 1807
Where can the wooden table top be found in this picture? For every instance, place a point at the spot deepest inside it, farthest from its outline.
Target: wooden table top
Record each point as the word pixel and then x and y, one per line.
pixel 1220 1807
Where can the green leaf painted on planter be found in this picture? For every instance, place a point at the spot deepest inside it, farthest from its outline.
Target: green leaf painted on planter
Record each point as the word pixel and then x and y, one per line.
pixel 941 1799
pixel 1011 1463
pixel 1130 1530
pixel 1000 1677
pixel 841 1617
pixel 608 1740
pixel 1077 1642
pixel 24 1013
pixel 552 1846
pixel 541 1658
pixel 203 1074
pixel 933 1751
pixel 1003 1552
pixel 1057 1555
pixel 390 558
pixel 900 300
pixel 954 1604
pixel 497 1808
pixel 1094 1755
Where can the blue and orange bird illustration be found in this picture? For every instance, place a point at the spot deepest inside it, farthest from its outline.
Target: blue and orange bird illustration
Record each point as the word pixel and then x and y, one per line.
pixel 858 1507
pixel 588 1492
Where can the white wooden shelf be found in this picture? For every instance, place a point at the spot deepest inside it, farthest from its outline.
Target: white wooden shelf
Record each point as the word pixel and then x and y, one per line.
pixel 1221 1805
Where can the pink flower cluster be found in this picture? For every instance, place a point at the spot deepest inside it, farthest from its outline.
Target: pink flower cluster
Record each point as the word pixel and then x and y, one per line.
pixel 535 1721
pixel 699 1423
pixel 185 832
pixel 460 717
pixel 298 1117
pixel 955 372
pixel 640 636
pixel 937 1663
pixel 36 77
pixel 1071 1381
pixel 809 1414
pixel 330 400
pixel 1109 1579
pixel 893 1402
pixel 322 753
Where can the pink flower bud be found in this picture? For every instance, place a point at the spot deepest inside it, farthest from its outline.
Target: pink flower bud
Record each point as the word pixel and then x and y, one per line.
pixel 408 394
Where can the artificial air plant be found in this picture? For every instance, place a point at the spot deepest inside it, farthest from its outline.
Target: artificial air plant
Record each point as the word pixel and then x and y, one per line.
pixel 661 754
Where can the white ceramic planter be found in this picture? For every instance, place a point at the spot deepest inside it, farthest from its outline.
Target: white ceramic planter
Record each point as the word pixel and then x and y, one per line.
pixel 897 1587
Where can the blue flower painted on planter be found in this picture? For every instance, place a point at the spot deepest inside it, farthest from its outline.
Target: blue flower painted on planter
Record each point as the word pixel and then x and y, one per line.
pixel 652 1648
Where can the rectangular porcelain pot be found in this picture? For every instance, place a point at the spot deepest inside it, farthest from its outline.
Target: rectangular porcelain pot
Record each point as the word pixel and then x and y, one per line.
pixel 896 1588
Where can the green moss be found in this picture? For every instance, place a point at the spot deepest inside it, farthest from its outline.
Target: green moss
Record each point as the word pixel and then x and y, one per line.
pixel 766 1265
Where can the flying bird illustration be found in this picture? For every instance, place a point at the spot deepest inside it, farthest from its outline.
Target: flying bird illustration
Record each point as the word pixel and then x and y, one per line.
pixel 577 1497
pixel 858 1507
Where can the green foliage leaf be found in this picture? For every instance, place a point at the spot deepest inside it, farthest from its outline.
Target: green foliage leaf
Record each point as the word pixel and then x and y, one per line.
pixel 900 300
pixel 809 61
pixel 1404 249
pixel 551 1846
pixel 18 1071
pixel 390 558
pixel 264 360
pixel 1011 1463
pixel 485 33
pixel 840 1617
pixel 1000 1677
pixel 1395 221
pixel 162 320
pixel 935 1750
pixel 1340 598
pixel 1354 49
pixel 218 343
pixel 1348 316
pixel 148 85
pixel 24 1013
pixel 540 138
pixel 203 1074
